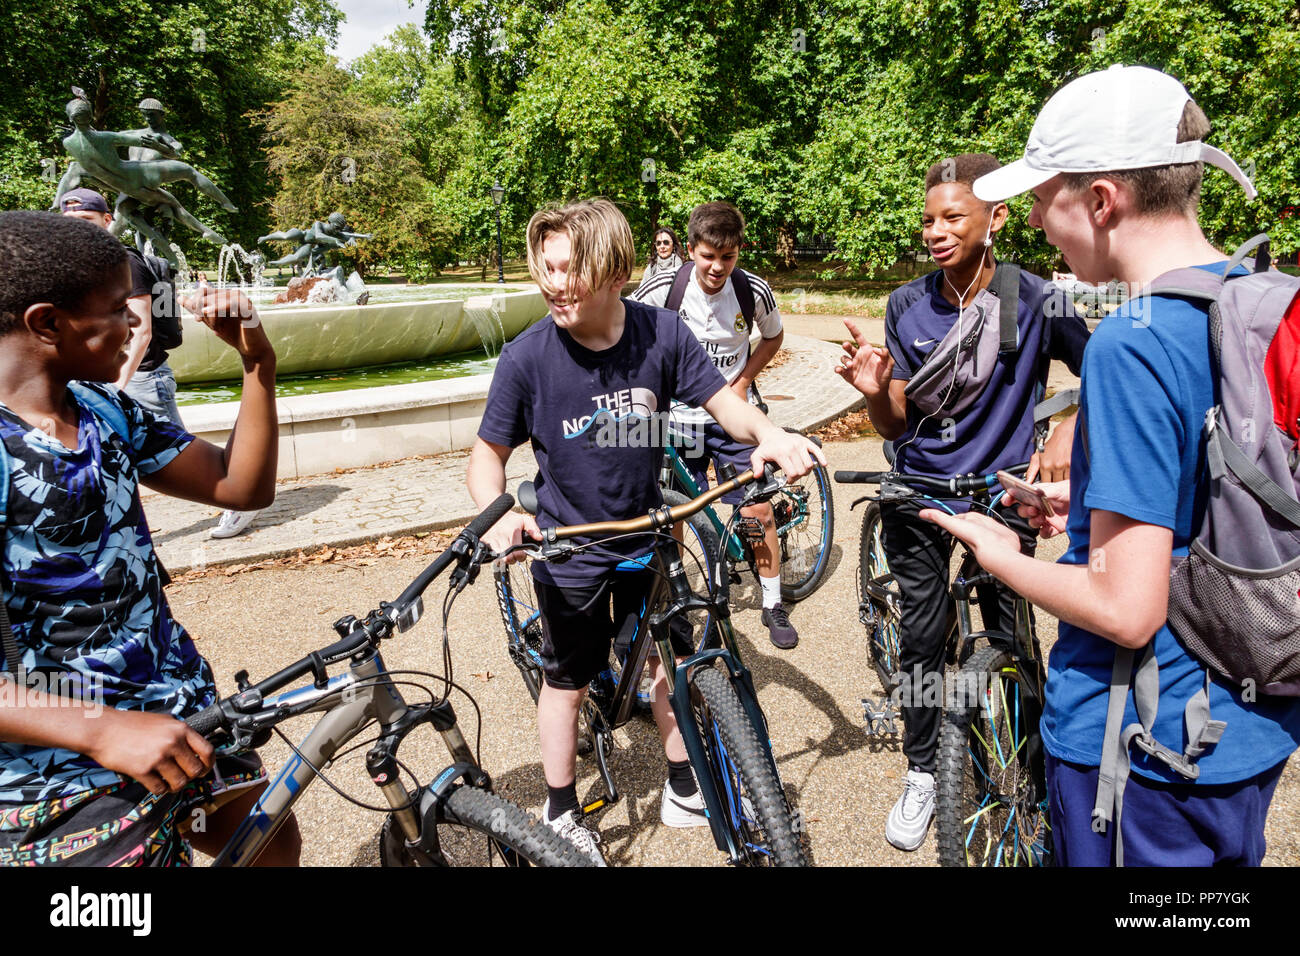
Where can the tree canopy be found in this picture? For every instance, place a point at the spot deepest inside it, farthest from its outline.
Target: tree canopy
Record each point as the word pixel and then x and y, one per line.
pixel 814 118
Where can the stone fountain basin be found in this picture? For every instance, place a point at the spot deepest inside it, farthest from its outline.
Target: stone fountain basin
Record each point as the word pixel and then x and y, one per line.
pixel 318 338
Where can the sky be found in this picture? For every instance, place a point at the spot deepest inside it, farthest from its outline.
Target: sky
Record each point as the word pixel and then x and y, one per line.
pixel 369 21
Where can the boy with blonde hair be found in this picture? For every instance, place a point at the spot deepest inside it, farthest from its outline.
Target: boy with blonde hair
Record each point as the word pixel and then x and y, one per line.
pixel 598 356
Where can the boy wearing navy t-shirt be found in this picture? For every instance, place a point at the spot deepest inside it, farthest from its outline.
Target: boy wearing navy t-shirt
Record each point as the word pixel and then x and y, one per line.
pixel 598 356
pixel 992 431
pixel 1122 204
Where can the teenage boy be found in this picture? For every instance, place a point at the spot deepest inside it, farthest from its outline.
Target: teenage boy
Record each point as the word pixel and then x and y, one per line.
pixel 597 356
pixel 1115 164
pixel 712 311
pixel 993 429
pixel 145 375
pixel 107 773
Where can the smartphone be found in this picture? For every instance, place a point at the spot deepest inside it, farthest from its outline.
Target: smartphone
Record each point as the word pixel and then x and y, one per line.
pixel 1032 495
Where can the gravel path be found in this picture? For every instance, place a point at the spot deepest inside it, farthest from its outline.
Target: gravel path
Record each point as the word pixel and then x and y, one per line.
pixel 843 780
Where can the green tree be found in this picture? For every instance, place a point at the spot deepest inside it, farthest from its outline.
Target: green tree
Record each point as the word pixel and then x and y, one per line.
pixel 209 61
pixel 330 148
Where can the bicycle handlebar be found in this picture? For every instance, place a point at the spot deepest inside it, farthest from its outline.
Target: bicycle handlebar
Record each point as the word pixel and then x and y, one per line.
pixel 219 715
pixel 956 485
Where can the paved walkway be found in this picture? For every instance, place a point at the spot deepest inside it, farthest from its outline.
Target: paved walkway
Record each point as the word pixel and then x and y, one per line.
pixel 424 494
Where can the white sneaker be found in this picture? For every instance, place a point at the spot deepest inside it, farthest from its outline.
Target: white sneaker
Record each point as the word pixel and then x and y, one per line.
pixel 567 826
pixel 910 818
pixel 675 811
pixel 232 523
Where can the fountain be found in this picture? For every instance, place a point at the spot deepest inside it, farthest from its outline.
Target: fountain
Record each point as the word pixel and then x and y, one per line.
pixel 318 432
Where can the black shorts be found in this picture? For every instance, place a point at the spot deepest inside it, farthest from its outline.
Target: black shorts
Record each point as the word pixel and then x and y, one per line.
pixel 581 624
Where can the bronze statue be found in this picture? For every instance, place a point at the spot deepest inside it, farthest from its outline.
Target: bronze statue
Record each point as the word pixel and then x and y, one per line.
pixel 95 154
pixel 127 210
pixel 314 242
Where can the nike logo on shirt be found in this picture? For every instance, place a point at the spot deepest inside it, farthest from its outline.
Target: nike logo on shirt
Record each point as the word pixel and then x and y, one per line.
pixel 919 344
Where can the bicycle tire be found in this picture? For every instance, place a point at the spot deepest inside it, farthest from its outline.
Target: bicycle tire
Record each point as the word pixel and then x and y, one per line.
pixel 517 602
pixel 806 543
pixel 510 835
pixel 741 768
pixel 881 618
pixel 991 811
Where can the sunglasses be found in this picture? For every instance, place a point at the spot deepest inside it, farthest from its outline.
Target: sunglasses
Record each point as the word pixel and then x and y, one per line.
pixel 664 242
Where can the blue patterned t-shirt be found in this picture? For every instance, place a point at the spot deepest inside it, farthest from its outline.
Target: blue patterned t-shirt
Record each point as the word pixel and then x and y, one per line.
pixel 81 583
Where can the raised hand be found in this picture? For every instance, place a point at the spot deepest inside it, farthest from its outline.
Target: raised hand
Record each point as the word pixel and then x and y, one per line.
pixel 234 319
pixel 867 368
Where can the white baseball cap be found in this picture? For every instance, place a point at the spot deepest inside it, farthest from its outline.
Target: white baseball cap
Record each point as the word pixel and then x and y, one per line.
pixel 1125 117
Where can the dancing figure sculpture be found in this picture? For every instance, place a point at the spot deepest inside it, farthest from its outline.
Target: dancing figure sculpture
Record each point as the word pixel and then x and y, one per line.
pixel 314 242
pixel 95 155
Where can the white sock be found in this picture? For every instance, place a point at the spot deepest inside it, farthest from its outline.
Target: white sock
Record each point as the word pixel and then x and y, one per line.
pixel 771 590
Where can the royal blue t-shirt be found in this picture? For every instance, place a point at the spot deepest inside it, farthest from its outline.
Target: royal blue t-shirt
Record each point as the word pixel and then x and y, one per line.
pixel 997 430
pixel 1147 384
pixel 571 401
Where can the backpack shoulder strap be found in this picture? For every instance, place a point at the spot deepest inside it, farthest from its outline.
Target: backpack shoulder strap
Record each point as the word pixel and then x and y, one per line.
pixel 1006 286
pixel 13 661
pixel 103 406
pixel 745 295
pixel 678 291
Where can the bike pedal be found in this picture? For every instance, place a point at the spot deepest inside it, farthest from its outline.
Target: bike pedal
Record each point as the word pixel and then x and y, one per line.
pixel 751 529
pixel 881 720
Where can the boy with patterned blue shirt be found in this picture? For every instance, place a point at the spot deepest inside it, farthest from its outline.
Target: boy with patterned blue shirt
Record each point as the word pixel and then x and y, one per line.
pixel 105 771
pixel 1122 204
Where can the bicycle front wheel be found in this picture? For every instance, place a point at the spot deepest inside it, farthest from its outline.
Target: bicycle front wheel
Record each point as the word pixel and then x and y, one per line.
pixel 755 808
pixel 804 512
pixel 517 601
pixel 482 829
pixel 879 600
pixel 991 798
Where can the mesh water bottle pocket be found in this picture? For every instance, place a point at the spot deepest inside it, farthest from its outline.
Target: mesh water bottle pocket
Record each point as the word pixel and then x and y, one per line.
pixel 1244 624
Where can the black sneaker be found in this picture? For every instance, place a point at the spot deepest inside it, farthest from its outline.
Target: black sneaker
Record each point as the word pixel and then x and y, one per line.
pixel 779 628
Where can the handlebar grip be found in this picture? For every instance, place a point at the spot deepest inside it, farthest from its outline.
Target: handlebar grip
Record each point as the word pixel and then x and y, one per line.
pixel 207 720
pixel 490 516
pixel 859 477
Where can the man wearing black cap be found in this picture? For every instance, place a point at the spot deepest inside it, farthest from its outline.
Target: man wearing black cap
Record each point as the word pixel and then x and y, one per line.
pixel 146 376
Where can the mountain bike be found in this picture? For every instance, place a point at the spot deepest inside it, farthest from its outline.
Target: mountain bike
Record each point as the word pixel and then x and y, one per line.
pixel 712 693
pixel 804 512
pixel 455 819
pixel 991 790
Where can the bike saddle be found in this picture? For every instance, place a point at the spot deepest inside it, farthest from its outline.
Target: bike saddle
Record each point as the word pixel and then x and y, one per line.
pixel 889 452
pixel 527 497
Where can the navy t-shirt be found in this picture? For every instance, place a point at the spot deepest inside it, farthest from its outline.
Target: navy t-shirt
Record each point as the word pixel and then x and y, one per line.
pixel 997 430
pixel 570 401
pixel 1139 451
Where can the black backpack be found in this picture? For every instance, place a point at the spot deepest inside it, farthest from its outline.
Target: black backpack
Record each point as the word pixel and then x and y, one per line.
pixel 162 302
pixel 739 280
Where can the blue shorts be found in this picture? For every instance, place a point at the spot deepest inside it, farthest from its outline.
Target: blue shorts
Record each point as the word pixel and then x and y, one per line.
pixel 718 447
pixel 1165 824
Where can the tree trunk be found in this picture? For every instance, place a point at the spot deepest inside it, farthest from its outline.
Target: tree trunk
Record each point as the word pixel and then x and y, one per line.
pixel 785 241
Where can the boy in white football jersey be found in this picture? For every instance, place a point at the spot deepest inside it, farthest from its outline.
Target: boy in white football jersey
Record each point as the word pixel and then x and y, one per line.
pixel 721 304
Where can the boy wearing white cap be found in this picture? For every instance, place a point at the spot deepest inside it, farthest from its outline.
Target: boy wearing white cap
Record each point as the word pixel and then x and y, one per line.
pixel 1115 163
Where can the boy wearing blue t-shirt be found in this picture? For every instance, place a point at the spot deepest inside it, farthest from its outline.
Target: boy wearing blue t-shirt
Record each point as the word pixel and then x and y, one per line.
pixel 1115 164
pixel 102 770
pixel 595 358
pixel 994 429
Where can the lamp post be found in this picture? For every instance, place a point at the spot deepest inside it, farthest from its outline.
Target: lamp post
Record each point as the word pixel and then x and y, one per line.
pixel 498 192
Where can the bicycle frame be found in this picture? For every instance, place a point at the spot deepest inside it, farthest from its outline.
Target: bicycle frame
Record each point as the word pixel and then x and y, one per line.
pixel 348 703
pixel 718 644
